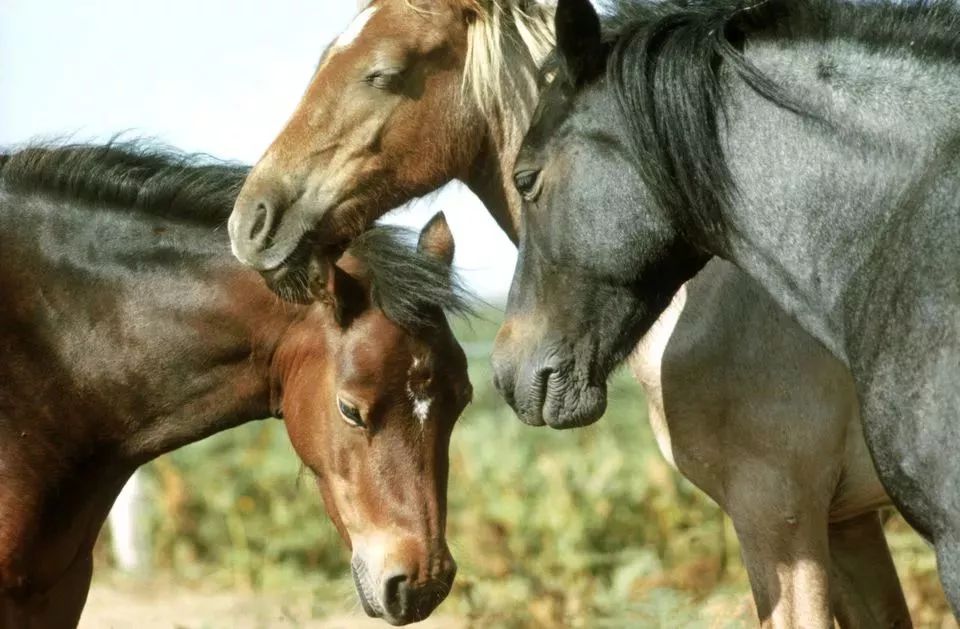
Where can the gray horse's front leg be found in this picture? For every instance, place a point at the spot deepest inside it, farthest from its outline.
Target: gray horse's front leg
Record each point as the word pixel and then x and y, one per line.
pixel 864 587
pixel 785 550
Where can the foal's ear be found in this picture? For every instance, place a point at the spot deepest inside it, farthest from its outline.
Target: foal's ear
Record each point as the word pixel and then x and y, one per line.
pixel 579 39
pixel 343 293
pixel 436 239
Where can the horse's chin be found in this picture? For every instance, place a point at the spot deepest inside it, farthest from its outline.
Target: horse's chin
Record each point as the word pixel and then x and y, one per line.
pixel 573 405
pixel 561 401
pixel 287 284
pixel 300 277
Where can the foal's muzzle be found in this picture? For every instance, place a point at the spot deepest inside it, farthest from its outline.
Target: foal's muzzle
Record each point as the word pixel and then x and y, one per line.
pixel 398 593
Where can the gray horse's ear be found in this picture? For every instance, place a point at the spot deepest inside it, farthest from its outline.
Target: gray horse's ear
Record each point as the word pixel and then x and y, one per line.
pixel 579 38
pixel 436 239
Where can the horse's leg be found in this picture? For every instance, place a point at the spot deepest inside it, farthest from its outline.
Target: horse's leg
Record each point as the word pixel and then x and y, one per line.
pixel 786 551
pixel 864 586
pixel 948 565
pixel 59 607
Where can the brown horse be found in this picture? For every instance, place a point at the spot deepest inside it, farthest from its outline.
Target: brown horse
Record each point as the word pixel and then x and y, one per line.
pixel 419 92
pixel 127 330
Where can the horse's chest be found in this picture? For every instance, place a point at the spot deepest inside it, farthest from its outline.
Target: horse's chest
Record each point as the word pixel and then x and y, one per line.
pixel 19 520
pixel 49 514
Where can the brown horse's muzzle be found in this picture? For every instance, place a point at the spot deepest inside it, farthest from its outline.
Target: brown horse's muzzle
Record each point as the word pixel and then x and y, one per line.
pixel 269 220
pixel 395 585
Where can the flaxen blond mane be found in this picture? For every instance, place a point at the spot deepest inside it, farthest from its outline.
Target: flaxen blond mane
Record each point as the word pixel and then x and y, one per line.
pixel 506 43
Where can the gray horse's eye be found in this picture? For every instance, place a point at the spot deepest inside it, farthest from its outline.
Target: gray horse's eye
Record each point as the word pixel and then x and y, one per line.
pixel 526 183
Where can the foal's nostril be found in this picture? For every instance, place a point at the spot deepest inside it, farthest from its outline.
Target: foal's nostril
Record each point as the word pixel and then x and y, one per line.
pixel 395 590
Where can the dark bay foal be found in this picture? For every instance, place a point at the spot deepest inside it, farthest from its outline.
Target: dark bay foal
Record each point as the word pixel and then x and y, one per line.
pixel 127 330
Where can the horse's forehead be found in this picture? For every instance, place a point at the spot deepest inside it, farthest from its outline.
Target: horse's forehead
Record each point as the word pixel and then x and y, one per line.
pixel 374 344
pixel 353 30
pixel 392 20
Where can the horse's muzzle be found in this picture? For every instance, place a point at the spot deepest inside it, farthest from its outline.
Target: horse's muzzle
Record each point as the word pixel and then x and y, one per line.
pixel 396 597
pixel 547 390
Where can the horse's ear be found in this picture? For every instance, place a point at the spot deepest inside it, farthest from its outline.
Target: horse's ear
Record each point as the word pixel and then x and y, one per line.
pixel 579 39
pixel 436 239
pixel 343 293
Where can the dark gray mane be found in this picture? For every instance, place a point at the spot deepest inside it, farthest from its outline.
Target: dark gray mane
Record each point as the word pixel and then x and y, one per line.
pixel 135 175
pixel 664 61
pixel 411 287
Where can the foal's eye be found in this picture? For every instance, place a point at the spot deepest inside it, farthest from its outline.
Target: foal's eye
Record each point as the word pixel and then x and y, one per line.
pixel 384 79
pixel 350 414
pixel 526 182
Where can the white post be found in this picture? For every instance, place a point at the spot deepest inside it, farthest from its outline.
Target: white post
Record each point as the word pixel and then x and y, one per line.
pixel 128 530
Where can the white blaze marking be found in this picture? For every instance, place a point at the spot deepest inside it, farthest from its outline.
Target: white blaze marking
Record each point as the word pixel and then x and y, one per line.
pixel 421 404
pixel 421 408
pixel 353 31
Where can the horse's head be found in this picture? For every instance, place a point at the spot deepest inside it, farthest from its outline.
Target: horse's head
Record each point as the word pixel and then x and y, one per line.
pixel 372 383
pixel 600 257
pixel 401 103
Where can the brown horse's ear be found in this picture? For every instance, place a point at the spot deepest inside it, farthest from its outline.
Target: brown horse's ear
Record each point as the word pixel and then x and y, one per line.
pixel 436 239
pixel 343 293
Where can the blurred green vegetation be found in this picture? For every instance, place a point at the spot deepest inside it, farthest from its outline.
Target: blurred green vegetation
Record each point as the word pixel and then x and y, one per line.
pixel 583 528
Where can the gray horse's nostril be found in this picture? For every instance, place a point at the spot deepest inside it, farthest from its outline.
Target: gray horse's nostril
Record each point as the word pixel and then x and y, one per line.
pixel 503 379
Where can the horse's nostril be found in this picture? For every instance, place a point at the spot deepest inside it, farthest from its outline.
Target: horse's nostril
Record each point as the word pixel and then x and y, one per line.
pixel 259 227
pixel 395 592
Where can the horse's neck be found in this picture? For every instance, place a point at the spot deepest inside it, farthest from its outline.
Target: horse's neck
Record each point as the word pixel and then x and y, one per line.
pixel 504 124
pixel 151 335
pixel 491 179
pixel 222 372
pixel 817 223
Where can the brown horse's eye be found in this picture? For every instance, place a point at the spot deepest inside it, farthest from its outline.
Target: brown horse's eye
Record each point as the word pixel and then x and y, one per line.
pixel 350 413
pixel 384 79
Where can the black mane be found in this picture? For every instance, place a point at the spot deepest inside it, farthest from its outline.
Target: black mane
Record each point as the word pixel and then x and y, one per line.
pixel 664 62
pixel 408 285
pixel 137 175
pixel 411 287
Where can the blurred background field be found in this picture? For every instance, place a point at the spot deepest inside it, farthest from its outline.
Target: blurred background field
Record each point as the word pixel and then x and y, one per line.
pixel 585 528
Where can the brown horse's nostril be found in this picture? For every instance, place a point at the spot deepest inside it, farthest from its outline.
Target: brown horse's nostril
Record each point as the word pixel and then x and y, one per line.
pixel 262 225
pixel 259 222
pixel 253 228
pixel 396 595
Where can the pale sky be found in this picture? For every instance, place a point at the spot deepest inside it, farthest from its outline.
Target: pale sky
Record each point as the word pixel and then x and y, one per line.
pixel 217 76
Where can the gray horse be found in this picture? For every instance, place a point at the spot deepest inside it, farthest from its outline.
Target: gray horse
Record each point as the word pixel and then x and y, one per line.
pixel 814 144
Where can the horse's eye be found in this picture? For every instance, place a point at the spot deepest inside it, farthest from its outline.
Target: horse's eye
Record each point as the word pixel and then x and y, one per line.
pixel 384 79
pixel 527 183
pixel 351 414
